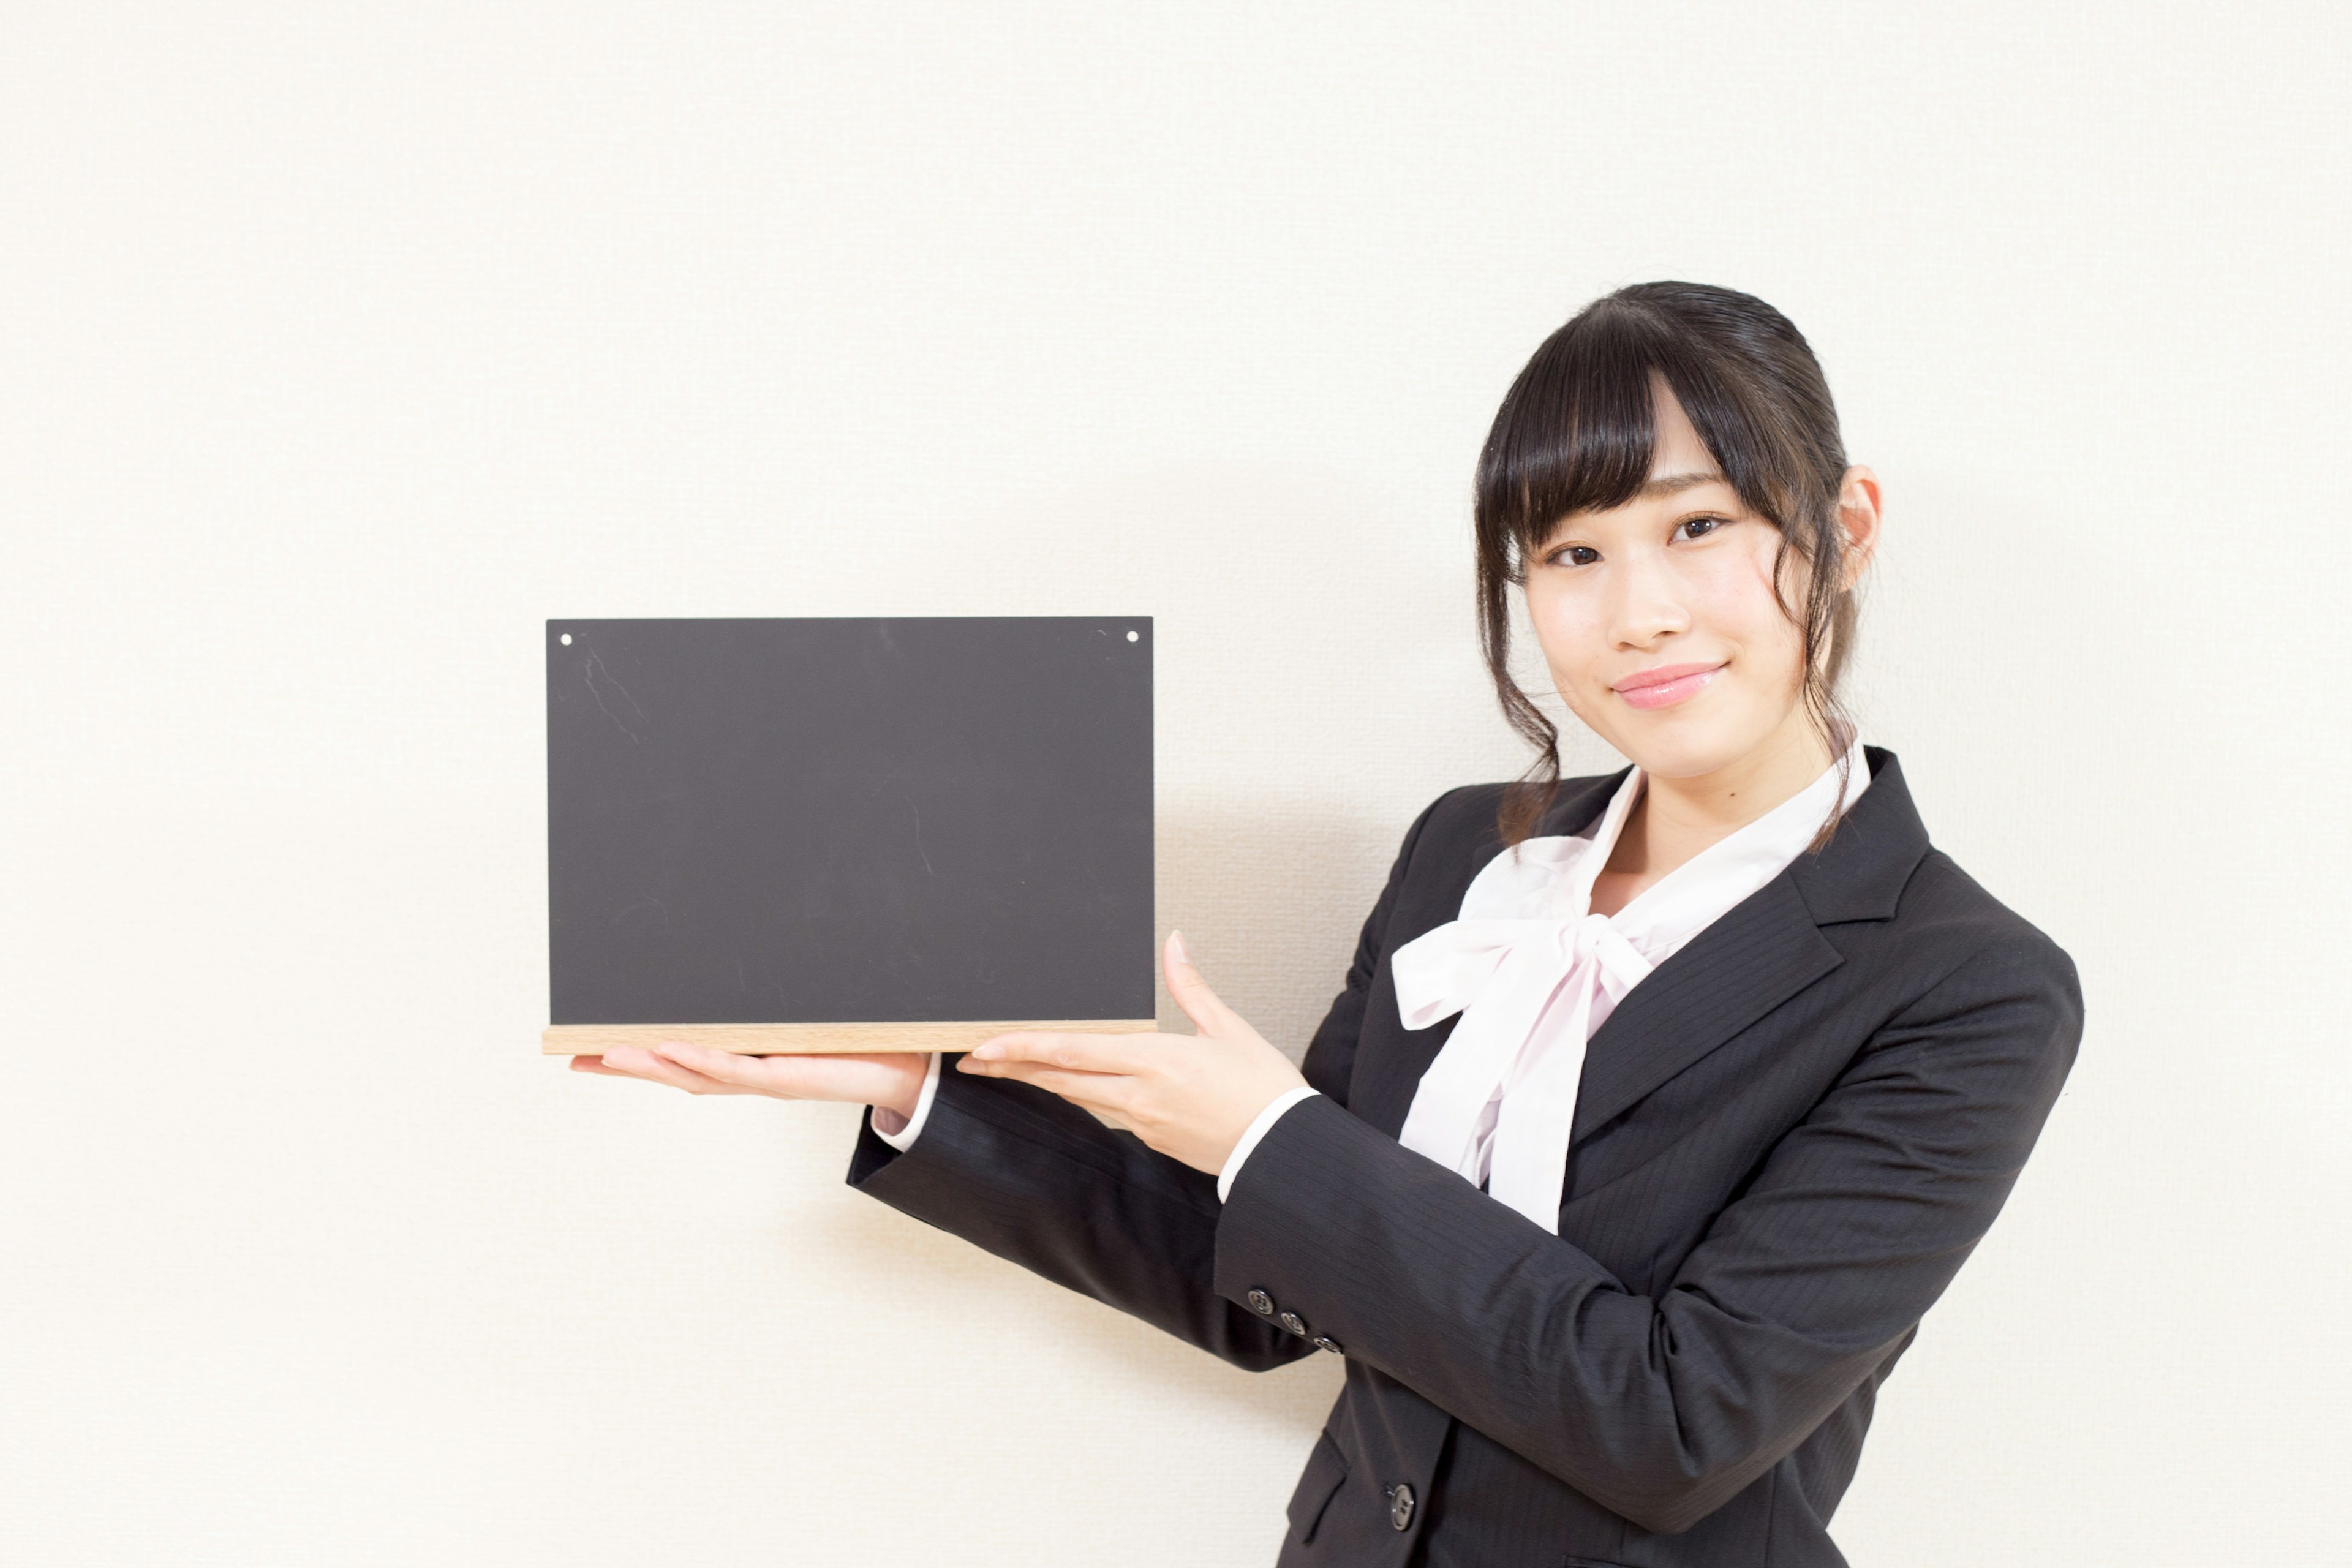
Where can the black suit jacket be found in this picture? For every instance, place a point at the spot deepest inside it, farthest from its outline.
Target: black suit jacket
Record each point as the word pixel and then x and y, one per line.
pixel 1787 1140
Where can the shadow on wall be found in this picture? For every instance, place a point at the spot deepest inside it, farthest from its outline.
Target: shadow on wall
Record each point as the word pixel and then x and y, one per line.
pixel 1271 900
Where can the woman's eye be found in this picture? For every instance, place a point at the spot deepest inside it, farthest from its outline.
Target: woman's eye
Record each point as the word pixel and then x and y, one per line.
pixel 1698 527
pixel 1575 555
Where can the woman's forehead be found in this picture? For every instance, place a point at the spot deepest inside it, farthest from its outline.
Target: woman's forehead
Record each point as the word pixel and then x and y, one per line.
pixel 1676 447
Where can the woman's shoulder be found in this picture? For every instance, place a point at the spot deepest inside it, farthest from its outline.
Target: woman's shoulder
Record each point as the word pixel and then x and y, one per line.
pixel 1470 815
pixel 1461 812
pixel 1881 873
pixel 1945 912
pixel 1462 829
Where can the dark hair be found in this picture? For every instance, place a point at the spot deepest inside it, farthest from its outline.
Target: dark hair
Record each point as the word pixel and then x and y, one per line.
pixel 1576 432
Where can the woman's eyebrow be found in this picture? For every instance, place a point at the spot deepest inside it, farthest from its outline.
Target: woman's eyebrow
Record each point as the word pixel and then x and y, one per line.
pixel 1674 484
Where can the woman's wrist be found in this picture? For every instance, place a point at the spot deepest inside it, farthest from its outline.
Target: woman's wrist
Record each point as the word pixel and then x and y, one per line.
pixel 898 1118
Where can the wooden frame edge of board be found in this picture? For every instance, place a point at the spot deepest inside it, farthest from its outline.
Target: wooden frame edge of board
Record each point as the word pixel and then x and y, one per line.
pixel 815 1039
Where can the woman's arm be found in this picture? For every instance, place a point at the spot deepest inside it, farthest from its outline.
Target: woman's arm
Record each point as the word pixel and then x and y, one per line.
pixel 1663 1406
pixel 1026 1175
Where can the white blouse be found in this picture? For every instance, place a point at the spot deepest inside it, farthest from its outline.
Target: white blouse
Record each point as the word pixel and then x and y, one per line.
pixel 1534 974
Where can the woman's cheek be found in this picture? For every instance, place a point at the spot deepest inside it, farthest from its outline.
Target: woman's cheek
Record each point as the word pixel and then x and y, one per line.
pixel 1731 592
pixel 1573 650
pixel 1586 705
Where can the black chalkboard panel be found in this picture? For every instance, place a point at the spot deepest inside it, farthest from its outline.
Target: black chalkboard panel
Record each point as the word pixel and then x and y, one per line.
pixel 829 822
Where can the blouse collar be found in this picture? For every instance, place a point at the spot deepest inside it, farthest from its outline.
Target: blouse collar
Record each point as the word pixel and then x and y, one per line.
pixel 1551 877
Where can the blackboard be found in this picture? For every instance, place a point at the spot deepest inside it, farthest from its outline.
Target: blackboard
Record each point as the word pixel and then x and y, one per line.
pixel 848 833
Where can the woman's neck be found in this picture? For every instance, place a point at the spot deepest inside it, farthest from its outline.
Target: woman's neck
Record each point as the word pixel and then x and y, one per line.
pixel 1678 818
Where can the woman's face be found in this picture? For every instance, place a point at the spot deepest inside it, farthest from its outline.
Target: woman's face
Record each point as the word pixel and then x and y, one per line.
pixel 1658 622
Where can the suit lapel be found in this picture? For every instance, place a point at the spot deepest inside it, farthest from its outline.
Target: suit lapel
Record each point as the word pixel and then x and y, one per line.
pixel 1756 956
pixel 1760 954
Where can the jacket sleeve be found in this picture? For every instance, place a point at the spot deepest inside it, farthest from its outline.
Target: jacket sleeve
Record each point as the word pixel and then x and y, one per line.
pixel 1662 1407
pixel 1030 1177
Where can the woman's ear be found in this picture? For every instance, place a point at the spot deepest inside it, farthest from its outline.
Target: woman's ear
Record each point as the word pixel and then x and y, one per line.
pixel 1859 516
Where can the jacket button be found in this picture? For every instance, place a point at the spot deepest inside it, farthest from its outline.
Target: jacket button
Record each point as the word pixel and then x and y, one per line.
pixel 1294 1322
pixel 1326 1343
pixel 1401 1506
pixel 1261 1304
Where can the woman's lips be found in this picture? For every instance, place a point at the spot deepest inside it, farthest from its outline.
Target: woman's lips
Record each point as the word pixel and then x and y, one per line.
pixel 1666 685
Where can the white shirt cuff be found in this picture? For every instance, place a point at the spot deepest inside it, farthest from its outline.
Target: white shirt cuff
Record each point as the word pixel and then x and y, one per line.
pixel 1249 1136
pixel 904 1139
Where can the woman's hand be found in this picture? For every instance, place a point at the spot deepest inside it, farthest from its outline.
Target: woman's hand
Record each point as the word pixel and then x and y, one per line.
pixel 1189 1095
pixel 889 1082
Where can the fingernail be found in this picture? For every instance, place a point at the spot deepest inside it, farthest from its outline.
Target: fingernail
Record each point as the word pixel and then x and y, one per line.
pixel 1176 948
pixel 989 1053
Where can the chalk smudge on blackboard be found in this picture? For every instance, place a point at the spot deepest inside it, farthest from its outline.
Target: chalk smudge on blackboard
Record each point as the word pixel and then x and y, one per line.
pixel 596 668
pixel 917 810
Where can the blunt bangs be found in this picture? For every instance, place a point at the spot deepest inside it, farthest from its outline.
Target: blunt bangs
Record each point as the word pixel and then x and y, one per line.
pixel 1575 432
pixel 1578 429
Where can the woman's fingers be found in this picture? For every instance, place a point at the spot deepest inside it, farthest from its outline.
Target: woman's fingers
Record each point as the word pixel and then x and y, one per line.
pixel 1080 1053
pixel 738 1072
pixel 653 1068
pixel 1097 1091
pixel 1189 991
pixel 893 1079
pixel 1096 1073
pixel 596 1065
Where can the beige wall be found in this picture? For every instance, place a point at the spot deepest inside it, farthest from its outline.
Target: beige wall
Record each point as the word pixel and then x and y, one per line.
pixel 339 349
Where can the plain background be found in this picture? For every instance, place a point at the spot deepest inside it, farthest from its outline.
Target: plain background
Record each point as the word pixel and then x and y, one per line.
pixel 342 345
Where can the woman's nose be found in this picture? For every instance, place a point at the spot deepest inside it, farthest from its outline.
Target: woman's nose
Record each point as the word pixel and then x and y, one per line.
pixel 1647 604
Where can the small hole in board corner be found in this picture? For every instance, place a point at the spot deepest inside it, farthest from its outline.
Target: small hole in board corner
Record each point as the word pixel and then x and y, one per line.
pixel 567 640
pixel 1134 636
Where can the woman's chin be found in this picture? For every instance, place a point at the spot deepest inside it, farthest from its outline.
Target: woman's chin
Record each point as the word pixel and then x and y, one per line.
pixel 1673 745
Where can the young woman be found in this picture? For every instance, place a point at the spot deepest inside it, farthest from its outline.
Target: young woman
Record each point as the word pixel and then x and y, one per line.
pixel 1657 1106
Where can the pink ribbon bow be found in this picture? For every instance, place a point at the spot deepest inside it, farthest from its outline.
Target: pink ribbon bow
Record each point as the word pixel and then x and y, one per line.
pixel 1504 976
